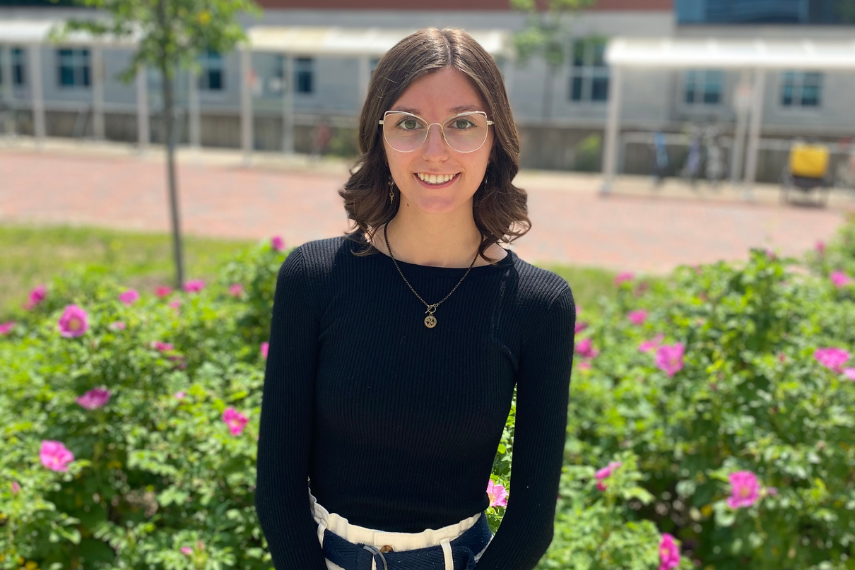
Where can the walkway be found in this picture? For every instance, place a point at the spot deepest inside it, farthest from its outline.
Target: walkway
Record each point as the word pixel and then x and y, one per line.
pixel 634 229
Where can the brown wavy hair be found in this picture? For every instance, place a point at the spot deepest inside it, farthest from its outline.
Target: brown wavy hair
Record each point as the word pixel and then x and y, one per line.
pixel 500 210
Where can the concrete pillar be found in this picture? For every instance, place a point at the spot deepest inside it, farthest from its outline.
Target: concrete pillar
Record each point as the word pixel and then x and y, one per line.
pixel 743 104
pixel 754 130
pixel 193 104
pixel 97 67
pixel 288 104
pixel 37 92
pixel 8 86
pixel 142 109
pixel 364 77
pixel 612 130
pixel 246 103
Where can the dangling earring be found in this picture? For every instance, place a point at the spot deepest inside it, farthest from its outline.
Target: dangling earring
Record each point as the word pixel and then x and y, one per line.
pixel 391 189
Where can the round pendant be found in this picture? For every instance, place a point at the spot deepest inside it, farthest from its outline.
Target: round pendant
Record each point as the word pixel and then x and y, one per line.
pixel 430 321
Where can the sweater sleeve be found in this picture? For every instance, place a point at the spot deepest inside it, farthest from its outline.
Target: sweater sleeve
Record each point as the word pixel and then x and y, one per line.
pixel 543 384
pixel 285 432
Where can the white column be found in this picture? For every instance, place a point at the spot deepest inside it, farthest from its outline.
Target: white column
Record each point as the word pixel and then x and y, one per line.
pixel 142 109
pixel 612 129
pixel 288 105
pixel 742 104
pixel 97 93
pixel 364 77
pixel 193 103
pixel 245 103
pixel 35 53
pixel 754 130
pixel 8 85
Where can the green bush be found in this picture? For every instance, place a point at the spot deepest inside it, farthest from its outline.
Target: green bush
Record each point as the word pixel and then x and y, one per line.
pixel 740 446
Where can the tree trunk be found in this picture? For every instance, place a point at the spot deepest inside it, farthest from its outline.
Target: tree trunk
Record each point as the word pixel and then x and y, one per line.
pixel 168 110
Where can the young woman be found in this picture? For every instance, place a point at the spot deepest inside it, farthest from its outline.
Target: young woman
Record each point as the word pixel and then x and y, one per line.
pixel 395 349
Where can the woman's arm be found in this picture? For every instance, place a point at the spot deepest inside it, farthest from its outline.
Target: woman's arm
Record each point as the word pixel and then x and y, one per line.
pixel 284 444
pixel 543 384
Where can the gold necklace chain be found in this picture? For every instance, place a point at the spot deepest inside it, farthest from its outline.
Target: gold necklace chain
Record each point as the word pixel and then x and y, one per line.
pixel 430 320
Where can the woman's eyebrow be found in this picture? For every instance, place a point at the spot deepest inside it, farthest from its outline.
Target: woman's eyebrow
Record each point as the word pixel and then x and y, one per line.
pixel 460 109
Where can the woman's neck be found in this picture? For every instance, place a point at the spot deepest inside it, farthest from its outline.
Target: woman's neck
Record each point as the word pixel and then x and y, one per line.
pixel 447 245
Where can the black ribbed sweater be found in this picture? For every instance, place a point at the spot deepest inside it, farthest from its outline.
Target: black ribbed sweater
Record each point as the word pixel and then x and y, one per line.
pixel 395 426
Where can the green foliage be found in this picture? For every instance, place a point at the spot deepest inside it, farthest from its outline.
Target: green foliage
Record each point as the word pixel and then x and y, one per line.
pixel 154 473
pixel 587 158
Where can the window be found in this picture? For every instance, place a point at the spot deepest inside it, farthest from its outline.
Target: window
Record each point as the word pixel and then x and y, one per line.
pixel 703 87
pixel 211 78
pixel 801 89
pixel 73 68
pixel 589 79
pixel 17 67
pixel 753 12
pixel 304 74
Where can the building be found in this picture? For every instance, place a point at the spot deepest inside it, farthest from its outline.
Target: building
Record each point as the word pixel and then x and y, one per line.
pixel 561 116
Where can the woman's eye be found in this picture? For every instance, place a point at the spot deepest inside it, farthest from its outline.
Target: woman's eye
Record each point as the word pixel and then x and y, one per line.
pixel 408 124
pixel 462 124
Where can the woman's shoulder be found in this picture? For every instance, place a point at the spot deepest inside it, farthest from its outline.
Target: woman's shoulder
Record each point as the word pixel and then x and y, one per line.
pixel 537 284
pixel 322 256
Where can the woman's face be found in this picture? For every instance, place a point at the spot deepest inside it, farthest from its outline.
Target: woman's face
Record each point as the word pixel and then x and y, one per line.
pixel 437 97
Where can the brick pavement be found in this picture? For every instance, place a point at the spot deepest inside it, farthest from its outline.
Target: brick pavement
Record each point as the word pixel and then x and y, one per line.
pixel 633 229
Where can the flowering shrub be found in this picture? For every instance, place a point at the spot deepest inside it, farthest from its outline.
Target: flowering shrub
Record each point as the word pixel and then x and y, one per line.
pixel 709 426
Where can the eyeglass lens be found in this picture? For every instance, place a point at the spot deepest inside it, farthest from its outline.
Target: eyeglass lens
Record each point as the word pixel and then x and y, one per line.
pixel 464 133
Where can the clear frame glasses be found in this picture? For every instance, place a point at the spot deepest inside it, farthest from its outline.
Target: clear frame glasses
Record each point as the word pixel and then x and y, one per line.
pixel 406 132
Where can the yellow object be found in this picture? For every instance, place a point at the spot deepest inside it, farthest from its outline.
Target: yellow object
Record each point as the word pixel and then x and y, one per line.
pixel 809 161
pixel 31 565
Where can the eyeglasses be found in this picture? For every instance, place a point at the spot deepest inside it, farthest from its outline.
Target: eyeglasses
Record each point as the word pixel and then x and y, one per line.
pixel 406 132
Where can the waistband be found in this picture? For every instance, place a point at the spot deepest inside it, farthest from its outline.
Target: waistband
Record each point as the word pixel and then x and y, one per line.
pixel 352 547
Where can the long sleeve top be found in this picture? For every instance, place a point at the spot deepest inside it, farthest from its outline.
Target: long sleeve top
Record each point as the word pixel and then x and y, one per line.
pixel 394 425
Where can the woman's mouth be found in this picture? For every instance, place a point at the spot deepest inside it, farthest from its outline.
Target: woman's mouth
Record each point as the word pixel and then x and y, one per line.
pixel 428 184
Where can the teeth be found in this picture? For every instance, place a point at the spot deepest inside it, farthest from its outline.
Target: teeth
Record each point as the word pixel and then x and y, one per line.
pixel 435 179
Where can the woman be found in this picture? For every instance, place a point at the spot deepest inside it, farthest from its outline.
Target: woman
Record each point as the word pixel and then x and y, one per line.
pixel 394 350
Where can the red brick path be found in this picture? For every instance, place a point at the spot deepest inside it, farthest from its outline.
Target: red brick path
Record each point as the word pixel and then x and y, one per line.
pixel 571 222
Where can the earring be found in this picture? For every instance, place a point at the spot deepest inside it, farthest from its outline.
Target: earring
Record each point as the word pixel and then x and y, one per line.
pixel 391 189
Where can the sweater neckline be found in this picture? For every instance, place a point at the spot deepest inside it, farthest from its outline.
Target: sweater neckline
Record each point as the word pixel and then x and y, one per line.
pixel 504 263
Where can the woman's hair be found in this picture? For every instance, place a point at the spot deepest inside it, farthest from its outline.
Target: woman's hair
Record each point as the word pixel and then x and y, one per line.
pixel 497 207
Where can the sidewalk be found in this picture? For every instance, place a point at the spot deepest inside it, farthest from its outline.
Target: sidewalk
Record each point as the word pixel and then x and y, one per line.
pixel 635 228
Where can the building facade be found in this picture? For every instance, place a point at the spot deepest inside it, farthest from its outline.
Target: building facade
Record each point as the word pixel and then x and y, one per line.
pixel 560 115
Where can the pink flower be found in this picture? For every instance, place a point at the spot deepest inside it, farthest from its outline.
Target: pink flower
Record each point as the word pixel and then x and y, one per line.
pixel 669 553
pixel 163 291
pixel 637 317
pixel 604 473
pixel 580 326
pixel 37 295
pixel 6 328
pixel 73 322
pixel 770 254
pixel 831 358
pixel 94 398
pixel 744 489
pixel 649 345
pixel 129 296
pixel 15 488
pixel 584 365
pixel 772 491
pixel 118 326
pixel 264 347
pixel 670 358
pixel 236 290
pixel 849 373
pixel 186 550
pixel 840 279
pixel 162 346
pixel 585 349
pixel 180 395
pixel 641 289
pixel 820 247
pixel 498 495
pixel 277 243
pixel 625 276
pixel 235 420
pixel 55 456
pixel 176 304
pixel 194 286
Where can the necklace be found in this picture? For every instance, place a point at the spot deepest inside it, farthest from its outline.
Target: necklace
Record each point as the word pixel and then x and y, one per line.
pixel 430 320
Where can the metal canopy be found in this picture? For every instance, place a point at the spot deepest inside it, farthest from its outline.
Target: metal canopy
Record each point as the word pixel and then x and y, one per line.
pixel 336 41
pixel 802 54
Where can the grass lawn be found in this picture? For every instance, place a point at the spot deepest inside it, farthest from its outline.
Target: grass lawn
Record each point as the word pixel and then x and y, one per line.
pixel 33 255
